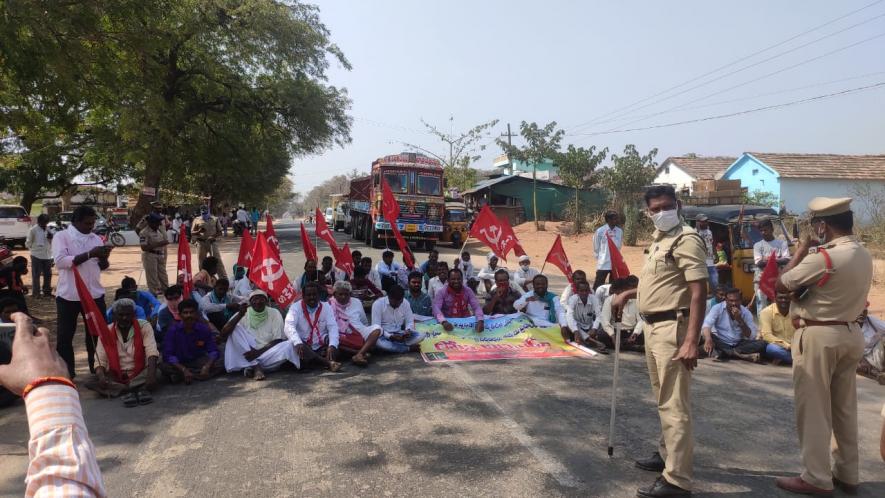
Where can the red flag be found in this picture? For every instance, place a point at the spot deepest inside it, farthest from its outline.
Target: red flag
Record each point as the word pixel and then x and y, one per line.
pixel 619 266
pixel 310 252
pixel 267 273
pixel 768 279
pixel 390 210
pixel 508 235
pixel 557 258
pixel 245 257
pixel 96 324
pixel 271 234
pixel 489 230
pixel 323 232
pixel 184 266
pixel 344 260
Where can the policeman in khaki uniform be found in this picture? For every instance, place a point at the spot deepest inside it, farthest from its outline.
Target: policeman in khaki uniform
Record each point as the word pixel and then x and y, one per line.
pixel 153 253
pixel 671 297
pixel 206 228
pixel 156 207
pixel 830 284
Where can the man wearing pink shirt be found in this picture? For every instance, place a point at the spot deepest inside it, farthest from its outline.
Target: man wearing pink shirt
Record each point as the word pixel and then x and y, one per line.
pixel 456 301
pixel 78 247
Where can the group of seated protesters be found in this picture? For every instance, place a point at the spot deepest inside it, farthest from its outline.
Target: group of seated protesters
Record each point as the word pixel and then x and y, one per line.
pixel 220 328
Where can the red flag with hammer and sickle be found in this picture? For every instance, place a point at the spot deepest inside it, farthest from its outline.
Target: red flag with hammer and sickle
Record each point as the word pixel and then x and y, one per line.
pixel 510 240
pixel 184 266
pixel 323 232
pixel 245 257
pixel 267 273
pixel 390 210
pixel 619 266
pixel 271 234
pixel 310 252
pixel 488 229
pixel 344 260
pixel 557 258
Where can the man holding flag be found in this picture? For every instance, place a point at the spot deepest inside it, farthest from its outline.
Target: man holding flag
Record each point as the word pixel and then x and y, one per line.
pixel 608 232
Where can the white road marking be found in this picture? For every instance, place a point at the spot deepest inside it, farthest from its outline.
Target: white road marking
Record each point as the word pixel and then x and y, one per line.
pixel 549 462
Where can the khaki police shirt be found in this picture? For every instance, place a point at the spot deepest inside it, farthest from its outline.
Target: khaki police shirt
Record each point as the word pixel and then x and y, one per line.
pixel 151 236
pixel 843 296
pixel 211 228
pixel 663 283
pixel 143 223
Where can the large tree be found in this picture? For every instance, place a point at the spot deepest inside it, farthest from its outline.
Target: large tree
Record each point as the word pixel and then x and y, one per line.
pixel 200 91
pixel 463 150
pixel 541 144
pixel 628 174
pixel 577 168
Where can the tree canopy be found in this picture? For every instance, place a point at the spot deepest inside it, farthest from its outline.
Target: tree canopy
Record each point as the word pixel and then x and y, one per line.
pixel 463 151
pixel 187 94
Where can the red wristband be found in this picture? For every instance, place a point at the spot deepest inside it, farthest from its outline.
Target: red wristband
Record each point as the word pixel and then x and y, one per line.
pixel 39 381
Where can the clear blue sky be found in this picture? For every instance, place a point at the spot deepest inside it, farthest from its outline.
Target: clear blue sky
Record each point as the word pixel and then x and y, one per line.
pixel 571 62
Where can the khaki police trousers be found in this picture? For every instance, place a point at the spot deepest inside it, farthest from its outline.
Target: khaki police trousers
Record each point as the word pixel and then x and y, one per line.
pixel 211 249
pixel 825 390
pixel 155 271
pixel 670 382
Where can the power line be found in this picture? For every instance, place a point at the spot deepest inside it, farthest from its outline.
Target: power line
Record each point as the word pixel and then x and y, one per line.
pixel 753 97
pixel 737 61
pixel 732 73
pixel 806 61
pixel 739 113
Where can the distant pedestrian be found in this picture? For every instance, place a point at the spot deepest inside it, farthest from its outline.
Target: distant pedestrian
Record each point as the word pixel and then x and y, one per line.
pixel 600 247
pixel 41 257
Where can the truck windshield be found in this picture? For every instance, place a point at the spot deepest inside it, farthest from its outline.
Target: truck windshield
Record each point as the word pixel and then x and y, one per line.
pixel 428 185
pixel 399 182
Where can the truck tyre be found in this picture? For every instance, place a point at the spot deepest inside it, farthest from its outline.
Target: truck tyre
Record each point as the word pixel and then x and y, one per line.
pixel 429 245
pixel 374 240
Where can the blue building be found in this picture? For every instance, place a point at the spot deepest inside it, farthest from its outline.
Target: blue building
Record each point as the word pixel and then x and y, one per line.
pixel 795 179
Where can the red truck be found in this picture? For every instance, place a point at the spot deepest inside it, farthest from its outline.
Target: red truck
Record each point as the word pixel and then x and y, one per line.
pixel 417 184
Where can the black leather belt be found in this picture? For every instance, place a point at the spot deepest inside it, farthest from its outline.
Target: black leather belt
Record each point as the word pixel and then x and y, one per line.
pixel 158 253
pixel 663 316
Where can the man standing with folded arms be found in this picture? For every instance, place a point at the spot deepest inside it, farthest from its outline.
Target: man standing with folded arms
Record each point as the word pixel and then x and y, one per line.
pixel 830 284
pixel 672 298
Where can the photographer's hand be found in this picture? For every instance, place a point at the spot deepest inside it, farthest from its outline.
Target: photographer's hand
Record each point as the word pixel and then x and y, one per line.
pixel 32 356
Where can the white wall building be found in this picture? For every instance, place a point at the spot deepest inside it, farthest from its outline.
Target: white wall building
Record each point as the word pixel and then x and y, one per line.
pixel 681 171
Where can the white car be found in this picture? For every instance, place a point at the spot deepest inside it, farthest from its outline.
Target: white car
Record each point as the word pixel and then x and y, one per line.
pixel 14 225
pixel 330 216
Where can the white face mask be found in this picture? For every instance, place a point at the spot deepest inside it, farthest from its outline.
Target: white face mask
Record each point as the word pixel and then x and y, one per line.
pixel 524 266
pixel 665 220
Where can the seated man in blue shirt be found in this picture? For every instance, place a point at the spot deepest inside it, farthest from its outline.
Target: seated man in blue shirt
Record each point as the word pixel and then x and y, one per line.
pixel 729 327
pixel 146 300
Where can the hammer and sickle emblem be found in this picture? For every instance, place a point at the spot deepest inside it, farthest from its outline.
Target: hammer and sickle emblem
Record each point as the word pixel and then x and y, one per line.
pixel 268 275
pixel 493 234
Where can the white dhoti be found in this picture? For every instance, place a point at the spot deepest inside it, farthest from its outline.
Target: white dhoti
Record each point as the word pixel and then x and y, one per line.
pixel 241 342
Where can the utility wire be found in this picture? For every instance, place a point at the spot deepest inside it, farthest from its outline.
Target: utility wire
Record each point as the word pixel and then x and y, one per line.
pixel 732 63
pixel 732 73
pixel 773 73
pixel 753 97
pixel 739 113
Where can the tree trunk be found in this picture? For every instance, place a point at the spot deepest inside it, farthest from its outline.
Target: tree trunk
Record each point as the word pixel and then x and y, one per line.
pixel 153 172
pixel 579 223
pixel 535 195
pixel 27 200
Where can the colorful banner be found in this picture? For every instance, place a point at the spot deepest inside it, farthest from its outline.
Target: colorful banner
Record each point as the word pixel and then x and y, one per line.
pixel 504 337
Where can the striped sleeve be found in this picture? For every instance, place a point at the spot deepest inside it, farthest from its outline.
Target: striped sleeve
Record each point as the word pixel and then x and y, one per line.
pixel 62 457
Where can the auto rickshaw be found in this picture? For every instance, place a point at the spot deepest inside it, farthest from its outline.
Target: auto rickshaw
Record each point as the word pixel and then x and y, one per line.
pixel 736 228
pixel 454 224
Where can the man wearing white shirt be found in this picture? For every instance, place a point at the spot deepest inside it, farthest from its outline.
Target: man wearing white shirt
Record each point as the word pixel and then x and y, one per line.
pixel 311 328
pixel 440 281
pixel 242 286
pixel 397 323
pixel 78 247
pixel 219 305
pixel 257 343
pixel 762 251
pixel 371 273
pixel 581 313
pixel 389 270
pixel 543 307
pixel 600 247
pixel 578 276
pixel 631 322
pixel 355 336
pixel 525 273
pixel 41 257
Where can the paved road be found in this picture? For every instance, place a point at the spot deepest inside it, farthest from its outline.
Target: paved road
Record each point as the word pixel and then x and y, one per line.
pixel 403 428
